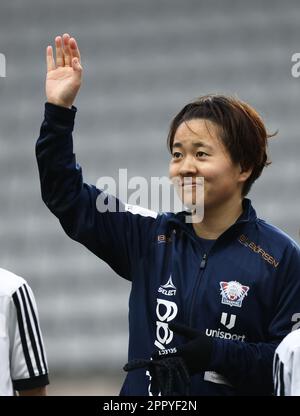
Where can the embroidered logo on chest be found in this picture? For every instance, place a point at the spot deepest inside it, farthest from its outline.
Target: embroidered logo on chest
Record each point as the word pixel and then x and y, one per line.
pixel 168 289
pixel 233 293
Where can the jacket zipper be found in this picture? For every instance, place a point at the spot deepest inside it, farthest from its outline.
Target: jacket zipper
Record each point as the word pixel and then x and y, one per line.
pixel 202 267
pixel 203 261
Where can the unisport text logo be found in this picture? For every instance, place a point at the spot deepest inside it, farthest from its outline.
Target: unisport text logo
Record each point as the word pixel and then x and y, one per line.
pixel 217 333
pixel 229 324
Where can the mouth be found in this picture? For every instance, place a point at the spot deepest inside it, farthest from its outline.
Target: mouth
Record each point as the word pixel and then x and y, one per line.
pixel 188 184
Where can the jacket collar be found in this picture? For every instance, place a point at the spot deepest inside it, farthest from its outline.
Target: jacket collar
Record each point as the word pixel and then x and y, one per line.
pixel 248 215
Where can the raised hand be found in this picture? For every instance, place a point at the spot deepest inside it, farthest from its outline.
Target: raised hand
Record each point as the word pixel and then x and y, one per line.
pixel 63 77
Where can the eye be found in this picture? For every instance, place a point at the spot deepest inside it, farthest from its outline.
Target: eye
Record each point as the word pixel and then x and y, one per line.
pixel 201 154
pixel 176 155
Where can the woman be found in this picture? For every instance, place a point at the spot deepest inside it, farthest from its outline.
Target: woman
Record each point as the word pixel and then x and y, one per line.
pixel 211 299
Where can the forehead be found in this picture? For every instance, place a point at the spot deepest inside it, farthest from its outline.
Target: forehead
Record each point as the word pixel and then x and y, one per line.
pixel 194 131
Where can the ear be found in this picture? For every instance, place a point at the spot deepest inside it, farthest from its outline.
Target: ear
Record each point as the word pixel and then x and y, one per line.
pixel 244 174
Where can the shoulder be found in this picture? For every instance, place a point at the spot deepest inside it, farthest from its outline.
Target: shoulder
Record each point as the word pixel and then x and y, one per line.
pixel 290 343
pixel 276 233
pixel 278 239
pixel 10 282
pixel 272 243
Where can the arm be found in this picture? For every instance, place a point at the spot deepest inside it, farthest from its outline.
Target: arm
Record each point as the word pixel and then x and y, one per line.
pixel 28 362
pixel 73 202
pixel 109 235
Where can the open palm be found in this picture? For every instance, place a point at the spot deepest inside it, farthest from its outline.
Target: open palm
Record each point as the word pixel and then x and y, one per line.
pixel 63 76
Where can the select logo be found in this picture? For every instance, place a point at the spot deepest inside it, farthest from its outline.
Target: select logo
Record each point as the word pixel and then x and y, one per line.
pixel 169 289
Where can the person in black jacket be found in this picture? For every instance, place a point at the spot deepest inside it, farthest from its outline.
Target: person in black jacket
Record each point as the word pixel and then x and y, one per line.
pixel 211 298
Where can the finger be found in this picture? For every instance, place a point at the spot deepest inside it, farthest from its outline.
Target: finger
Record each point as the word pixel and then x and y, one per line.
pixel 66 49
pixel 60 61
pixel 184 330
pixel 135 364
pixel 77 67
pixel 74 49
pixel 50 59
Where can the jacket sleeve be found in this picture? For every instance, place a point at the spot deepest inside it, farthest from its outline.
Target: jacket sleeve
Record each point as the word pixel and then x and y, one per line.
pixel 112 236
pixel 248 366
pixel 286 366
pixel 28 360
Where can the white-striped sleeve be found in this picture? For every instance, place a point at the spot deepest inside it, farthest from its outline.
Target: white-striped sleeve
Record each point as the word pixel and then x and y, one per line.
pixel 295 381
pixel 280 376
pixel 286 366
pixel 28 358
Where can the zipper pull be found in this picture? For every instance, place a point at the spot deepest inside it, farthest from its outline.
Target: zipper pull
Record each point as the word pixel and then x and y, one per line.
pixel 203 261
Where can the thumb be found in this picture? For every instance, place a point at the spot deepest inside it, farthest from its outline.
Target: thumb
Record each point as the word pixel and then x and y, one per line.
pixel 184 330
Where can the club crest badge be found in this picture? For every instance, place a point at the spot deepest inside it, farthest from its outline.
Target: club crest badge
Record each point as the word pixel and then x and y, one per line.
pixel 233 293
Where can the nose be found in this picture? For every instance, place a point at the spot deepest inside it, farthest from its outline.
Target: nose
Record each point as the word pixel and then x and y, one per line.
pixel 188 166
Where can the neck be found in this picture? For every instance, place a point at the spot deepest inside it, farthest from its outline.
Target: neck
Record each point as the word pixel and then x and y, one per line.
pixel 218 219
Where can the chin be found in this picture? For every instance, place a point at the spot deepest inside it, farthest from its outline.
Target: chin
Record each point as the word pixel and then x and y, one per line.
pixel 192 199
pixel 192 205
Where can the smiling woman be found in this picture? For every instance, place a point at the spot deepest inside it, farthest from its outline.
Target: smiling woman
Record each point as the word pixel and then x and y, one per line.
pixel 223 140
pixel 235 124
pixel 206 312
pixel 223 180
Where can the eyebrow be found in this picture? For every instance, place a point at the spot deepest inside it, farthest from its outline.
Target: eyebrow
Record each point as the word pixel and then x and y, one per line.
pixel 194 144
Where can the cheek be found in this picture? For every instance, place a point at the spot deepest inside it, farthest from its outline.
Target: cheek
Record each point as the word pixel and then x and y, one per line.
pixel 218 173
pixel 211 173
pixel 172 171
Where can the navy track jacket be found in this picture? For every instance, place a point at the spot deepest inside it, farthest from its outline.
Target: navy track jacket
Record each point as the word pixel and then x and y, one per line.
pixel 244 293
